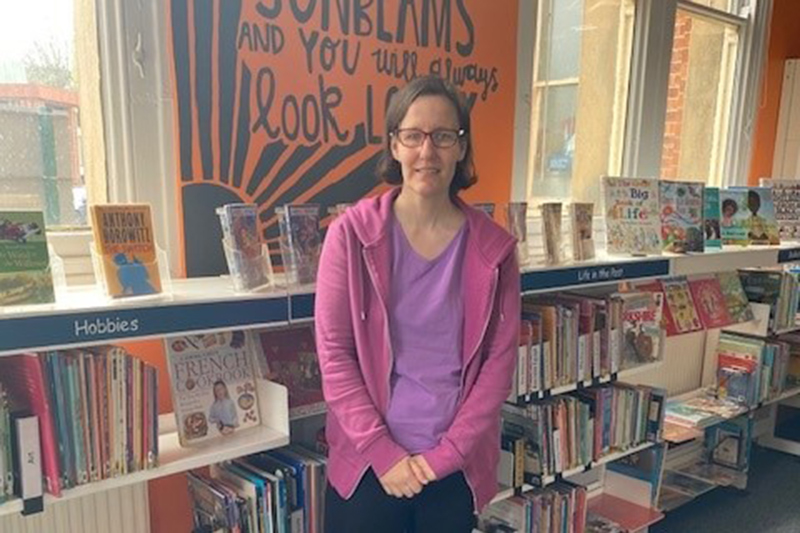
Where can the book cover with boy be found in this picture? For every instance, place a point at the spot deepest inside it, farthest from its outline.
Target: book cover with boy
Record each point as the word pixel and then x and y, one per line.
pixel 25 276
pixel 734 213
pixel 681 205
pixel 125 242
pixel 711 219
pixel 213 384
pixel 761 224
pixel 632 215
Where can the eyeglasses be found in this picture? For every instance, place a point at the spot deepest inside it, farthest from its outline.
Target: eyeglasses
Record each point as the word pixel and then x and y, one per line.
pixel 441 138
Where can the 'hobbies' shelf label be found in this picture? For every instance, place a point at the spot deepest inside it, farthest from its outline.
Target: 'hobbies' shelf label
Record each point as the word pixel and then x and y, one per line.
pixel 596 274
pixel 75 329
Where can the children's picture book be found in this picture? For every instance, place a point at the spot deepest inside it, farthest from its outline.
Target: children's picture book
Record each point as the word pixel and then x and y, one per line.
pixel 213 384
pixel 733 216
pixel 710 303
pixel 762 226
pixel 551 228
pixel 786 198
pixel 289 357
pixel 25 276
pixel 681 305
pixel 735 297
pixel 247 264
pixel 125 244
pixel 711 219
pixel 516 224
pixel 632 216
pixel 581 217
pixel 681 204
pixel 300 242
pixel 641 328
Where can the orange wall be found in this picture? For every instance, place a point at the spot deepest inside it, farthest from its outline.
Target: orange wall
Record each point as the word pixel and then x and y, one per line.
pixel 784 43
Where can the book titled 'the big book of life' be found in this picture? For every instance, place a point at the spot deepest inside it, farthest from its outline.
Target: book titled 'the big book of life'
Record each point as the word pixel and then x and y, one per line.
pixel 125 244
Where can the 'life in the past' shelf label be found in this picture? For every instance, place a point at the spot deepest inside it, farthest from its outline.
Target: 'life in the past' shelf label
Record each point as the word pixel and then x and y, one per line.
pixel 608 273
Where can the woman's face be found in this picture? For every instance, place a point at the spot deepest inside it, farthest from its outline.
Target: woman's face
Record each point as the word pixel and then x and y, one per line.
pixel 428 170
pixel 220 391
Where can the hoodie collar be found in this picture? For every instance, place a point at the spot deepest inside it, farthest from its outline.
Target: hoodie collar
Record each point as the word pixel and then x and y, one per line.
pixel 370 218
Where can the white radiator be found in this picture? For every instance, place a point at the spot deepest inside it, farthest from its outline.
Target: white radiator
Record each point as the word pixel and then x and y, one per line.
pixel 123 510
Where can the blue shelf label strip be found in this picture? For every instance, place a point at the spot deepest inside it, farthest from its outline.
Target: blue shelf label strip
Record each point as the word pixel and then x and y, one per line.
pixel 302 306
pixel 592 275
pixel 790 255
pixel 119 324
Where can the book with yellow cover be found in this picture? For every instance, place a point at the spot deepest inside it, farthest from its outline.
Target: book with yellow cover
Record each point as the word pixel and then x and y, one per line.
pixel 125 244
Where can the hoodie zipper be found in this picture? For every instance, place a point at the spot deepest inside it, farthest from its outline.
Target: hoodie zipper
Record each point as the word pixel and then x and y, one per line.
pixel 483 331
pixel 373 278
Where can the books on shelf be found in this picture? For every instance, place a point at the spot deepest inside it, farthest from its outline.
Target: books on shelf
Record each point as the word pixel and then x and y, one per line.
pixel 761 224
pixel 289 356
pixel 25 275
pixel 711 216
pixel 559 507
pixel 710 302
pixel 786 199
pixel 641 328
pixel 300 242
pixel 734 215
pixel 735 297
pixel 213 384
pixel 126 249
pixel 581 216
pixel 249 267
pixel 680 306
pixel 97 412
pixel 6 449
pixel 632 218
pixel 681 204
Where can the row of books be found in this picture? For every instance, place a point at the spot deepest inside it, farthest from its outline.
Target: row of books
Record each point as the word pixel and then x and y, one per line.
pixel 557 508
pixel 97 412
pixel 6 451
pixel 279 491
pixel 779 289
pixel 650 216
pixel 572 430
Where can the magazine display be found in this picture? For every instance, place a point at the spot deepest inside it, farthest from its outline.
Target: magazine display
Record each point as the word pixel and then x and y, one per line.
pixel 289 357
pixel 249 267
pixel 551 226
pixel 641 328
pixel 582 216
pixel 711 216
pixel 681 206
pixel 126 248
pixel 632 216
pixel 734 214
pixel 301 242
pixel 25 276
pixel 762 226
pixel 213 384
pixel 786 198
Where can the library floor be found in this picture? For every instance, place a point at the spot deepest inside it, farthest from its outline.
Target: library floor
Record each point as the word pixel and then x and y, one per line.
pixel 768 506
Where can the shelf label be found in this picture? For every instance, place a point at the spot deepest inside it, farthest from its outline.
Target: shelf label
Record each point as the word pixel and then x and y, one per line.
pixel 79 328
pixel 789 255
pixel 596 274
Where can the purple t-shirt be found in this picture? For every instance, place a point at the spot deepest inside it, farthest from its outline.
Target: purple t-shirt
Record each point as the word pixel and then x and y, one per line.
pixel 426 319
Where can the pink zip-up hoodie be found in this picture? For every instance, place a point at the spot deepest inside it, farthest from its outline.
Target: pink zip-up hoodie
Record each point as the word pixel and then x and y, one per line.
pixel 355 352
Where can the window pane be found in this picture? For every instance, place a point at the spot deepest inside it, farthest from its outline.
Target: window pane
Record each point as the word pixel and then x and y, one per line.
pixel 699 98
pixel 579 109
pixel 40 159
pixel 733 7
pixel 561 28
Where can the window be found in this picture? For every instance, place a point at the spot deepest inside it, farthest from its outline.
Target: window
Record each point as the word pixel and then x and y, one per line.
pixel 582 61
pixel 49 149
pixel 703 65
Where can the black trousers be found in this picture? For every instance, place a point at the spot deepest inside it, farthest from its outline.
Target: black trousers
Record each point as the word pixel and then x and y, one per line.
pixel 444 506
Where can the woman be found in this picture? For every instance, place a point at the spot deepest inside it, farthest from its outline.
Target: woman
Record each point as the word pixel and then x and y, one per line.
pixel 417 321
pixel 223 411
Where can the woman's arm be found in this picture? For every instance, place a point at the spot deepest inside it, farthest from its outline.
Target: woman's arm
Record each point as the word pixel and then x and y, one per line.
pixel 342 381
pixel 480 411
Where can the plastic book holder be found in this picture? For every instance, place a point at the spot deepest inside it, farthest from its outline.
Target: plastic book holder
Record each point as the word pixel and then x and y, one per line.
pixel 249 274
pixel 163 272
